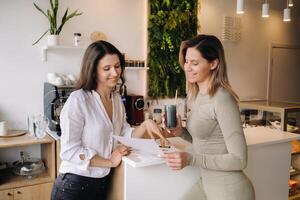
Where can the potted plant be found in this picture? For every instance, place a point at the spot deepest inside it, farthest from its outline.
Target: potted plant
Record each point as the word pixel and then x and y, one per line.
pixel 51 15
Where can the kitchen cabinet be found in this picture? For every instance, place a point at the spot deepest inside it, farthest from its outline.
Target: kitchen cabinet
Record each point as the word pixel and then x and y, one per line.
pixel 6 195
pixel 15 187
pixel 36 192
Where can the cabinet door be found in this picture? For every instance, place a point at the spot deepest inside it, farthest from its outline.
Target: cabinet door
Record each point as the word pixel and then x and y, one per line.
pixel 35 192
pixel 6 195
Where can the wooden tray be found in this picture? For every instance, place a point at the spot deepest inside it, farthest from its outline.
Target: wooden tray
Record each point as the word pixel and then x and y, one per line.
pixel 14 133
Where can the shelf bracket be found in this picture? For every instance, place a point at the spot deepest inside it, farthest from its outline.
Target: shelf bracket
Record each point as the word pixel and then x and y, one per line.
pixel 44 53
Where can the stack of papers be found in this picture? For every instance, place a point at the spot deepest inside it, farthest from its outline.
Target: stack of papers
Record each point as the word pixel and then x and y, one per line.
pixel 145 152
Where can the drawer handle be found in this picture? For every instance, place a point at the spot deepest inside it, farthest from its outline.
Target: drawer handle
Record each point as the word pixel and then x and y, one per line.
pixel 9 194
pixel 19 192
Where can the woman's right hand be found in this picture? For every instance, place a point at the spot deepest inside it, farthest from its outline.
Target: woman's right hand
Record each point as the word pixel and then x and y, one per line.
pixel 117 154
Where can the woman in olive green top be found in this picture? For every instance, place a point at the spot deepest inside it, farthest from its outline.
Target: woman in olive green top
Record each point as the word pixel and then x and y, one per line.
pixel 213 126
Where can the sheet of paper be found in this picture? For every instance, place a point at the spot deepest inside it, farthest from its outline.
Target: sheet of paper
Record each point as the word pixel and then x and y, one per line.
pixel 144 145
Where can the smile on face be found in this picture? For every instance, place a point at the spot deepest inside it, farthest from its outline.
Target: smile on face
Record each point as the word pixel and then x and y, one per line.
pixel 197 69
pixel 109 71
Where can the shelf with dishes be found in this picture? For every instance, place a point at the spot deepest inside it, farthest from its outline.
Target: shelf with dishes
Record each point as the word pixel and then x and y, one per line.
pixel 20 178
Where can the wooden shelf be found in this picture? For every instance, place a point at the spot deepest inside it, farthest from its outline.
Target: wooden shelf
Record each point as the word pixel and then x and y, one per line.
pixel 14 181
pixel 294 197
pixel 296 152
pixel 295 173
pixel 271 106
pixel 20 186
pixel 24 140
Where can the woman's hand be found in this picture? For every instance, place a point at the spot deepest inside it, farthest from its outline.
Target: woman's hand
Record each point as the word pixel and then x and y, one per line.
pixel 173 131
pixel 152 128
pixel 176 160
pixel 117 154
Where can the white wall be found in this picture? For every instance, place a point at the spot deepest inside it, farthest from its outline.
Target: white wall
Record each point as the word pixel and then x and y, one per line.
pixel 22 71
pixel 248 59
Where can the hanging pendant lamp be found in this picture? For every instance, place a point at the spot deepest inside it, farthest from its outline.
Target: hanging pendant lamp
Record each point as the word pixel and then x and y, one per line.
pixel 287 13
pixel 240 7
pixel 265 9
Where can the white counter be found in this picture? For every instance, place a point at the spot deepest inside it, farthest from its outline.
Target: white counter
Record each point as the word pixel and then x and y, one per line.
pixel 254 136
pixel 269 156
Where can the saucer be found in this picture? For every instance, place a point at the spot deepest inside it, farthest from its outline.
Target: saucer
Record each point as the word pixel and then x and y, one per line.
pixel 14 133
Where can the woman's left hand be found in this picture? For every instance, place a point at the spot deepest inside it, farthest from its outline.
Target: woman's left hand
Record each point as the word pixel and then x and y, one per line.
pixel 176 160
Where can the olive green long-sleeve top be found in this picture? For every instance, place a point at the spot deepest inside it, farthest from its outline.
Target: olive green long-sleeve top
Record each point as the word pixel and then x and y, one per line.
pixel 219 149
pixel 218 138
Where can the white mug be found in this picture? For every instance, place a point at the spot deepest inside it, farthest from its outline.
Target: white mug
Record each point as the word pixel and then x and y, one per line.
pixel 51 77
pixel 3 128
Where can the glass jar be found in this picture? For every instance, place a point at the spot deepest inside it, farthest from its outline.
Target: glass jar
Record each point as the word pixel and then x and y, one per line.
pixel 77 37
pixel 157 115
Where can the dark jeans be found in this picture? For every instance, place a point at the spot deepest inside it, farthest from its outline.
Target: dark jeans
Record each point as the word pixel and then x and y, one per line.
pixel 74 187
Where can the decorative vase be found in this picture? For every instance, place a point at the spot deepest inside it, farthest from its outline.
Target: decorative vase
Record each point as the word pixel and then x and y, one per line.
pixel 53 40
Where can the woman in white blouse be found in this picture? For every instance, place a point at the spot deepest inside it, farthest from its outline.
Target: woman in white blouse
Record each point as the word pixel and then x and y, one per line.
pixel 89 119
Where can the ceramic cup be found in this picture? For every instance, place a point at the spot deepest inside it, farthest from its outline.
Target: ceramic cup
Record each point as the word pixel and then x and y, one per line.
pixel 58 81
pixel 3 128
pixel 51 77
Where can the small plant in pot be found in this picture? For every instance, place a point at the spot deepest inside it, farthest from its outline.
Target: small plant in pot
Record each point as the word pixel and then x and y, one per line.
pixel 51 15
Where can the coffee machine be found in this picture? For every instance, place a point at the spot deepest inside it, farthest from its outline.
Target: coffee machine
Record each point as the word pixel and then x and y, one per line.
pixel 134 106
pixel 54 100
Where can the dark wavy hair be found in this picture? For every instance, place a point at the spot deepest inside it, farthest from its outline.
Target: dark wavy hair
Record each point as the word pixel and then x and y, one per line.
pixel 92 56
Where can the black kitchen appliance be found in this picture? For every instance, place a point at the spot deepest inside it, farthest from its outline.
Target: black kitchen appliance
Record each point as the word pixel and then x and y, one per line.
pixel 134 105
pixel 54 99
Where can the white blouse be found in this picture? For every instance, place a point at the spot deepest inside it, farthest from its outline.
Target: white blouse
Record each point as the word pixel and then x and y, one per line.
pixel 87 129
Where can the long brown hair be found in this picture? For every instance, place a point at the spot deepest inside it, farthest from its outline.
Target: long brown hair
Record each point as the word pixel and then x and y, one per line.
pixel 211 49
pixel 93 54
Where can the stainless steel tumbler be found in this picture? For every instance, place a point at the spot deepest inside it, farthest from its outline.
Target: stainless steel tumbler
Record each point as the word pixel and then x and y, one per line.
pixel 170 116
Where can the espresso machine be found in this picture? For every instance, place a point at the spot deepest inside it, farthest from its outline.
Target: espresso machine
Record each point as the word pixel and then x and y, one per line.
pixel 134 106
pixel 54 100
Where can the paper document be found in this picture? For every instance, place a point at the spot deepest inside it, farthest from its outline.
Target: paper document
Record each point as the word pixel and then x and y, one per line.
pixel 144 145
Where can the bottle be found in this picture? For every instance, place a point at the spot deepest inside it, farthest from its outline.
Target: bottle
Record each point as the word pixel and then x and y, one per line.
pixel 157 115
pixel 77 37
pixel 147 113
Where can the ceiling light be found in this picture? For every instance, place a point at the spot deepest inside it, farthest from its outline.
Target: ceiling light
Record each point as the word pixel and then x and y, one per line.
pixel 265 10
pixel 290 3
pixel 287 15
pixel 240 7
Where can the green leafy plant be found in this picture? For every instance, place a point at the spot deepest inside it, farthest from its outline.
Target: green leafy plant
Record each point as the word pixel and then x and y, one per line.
pixel 170 23
pixel 51 15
